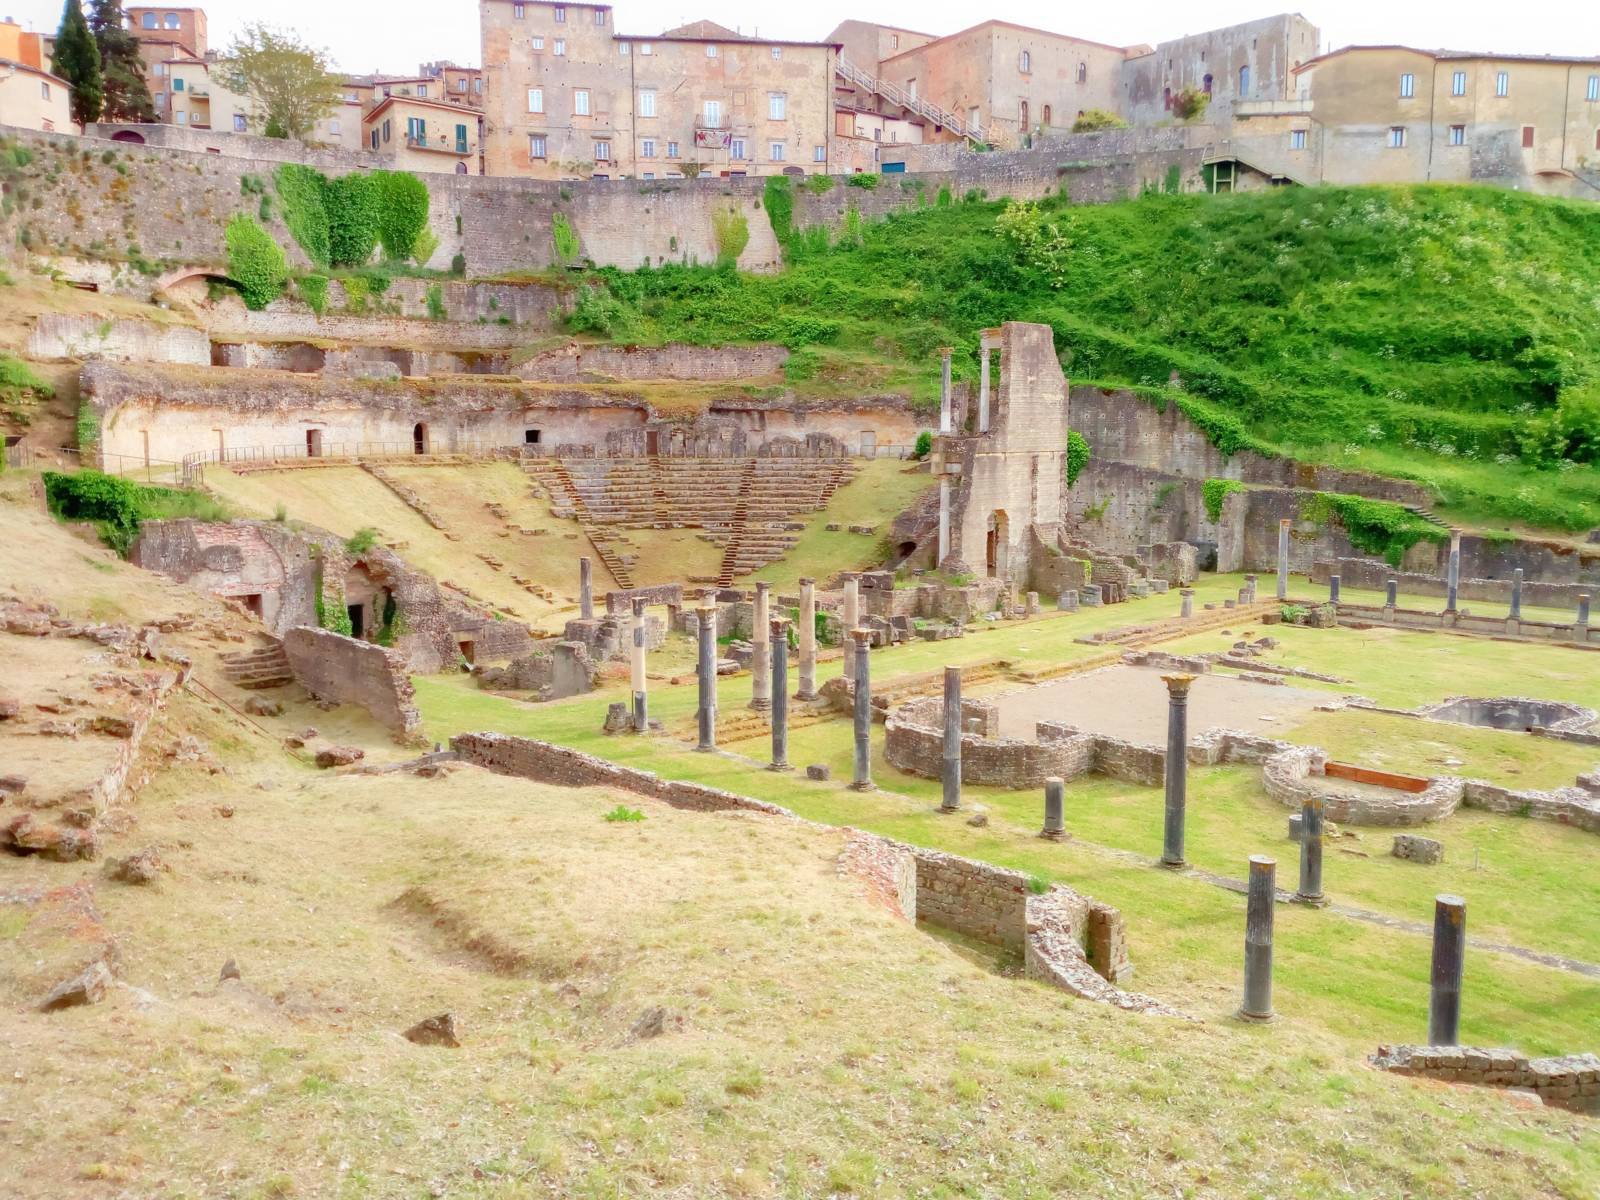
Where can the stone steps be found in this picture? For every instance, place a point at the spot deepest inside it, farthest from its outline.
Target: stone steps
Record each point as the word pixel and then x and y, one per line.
pixel 259 669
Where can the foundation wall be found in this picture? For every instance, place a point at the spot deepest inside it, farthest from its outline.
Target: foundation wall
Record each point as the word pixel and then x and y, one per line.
pixel 333 667
pixel 1571 1081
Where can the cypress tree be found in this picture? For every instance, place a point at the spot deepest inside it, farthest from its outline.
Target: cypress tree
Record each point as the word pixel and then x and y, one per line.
pixel 77 60
pixel 127 95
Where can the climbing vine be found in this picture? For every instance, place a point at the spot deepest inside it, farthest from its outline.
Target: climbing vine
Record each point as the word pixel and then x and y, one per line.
pixel 256 263
pixel 563 239
pixel 1078 453
pixel 779 198
pixel 1213 492
pixel 1377 527
pixel 732 232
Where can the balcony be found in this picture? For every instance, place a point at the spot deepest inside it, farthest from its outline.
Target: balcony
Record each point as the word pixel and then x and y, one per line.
pixel 440 145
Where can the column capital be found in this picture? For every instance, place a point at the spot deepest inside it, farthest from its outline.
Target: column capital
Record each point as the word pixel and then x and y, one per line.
pixel 805 582
pixel 1178 685
pixel 1284 523
pixel 861 636
pixel 762 588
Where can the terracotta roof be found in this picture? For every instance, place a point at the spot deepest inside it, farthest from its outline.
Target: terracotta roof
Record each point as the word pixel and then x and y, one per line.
pixel 1453 56
pixel 705 31
pixel 32 70
pixel 1125 51
pixel 440 104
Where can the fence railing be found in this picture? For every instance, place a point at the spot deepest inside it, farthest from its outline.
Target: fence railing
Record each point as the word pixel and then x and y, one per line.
pixel 898 95
pixel 194 464
pixel 129 466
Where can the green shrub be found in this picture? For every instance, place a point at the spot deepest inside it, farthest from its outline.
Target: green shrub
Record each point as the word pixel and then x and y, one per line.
pixel 20 389
pixel 924 445
pixel 598 311
pixel 458 265
pixel 301 192
pixel 1190 103
pixel 402 212
pixel 1212 494
pixel 313 289
pixel 778 197
pixel 1095 119
pixel 819 185
pixel 1077 455
pixel 1375 527
pixel 116 505
pixel 351 202
pixel 622 814
pixel 361 541
pixel 563 240
pixel 435 298
pixel 86 429
pixel 422 251
pixel 256 263
pixel 732 233
pixel 864 181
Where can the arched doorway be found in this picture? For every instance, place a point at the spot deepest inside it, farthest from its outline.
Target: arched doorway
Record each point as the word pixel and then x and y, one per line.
pixel 1044 116
pixel 996 540
pixel 1022 115
pixel 128 136
pixel 419 438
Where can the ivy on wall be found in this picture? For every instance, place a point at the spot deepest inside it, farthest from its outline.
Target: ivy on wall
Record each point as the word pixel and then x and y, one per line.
pixel 1212 494
pixel 339 222
pixel 1377 527
pixel 256 263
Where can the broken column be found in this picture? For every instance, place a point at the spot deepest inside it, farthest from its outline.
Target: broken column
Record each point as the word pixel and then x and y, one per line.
pixel 808 641
pixel 586 589
pixel 944 519
pixel 1449 948
pixel 1283 559
pixel 1177 766
pixel 946 417
pixel 760 664
pixel 951 766
pixel 1031 604
pixel 1391 592
pixel 1250 586
pixel 1580 629
pixel 861 642
pixel 1333 589
pixel 641 715
pixel 983 383
pixel 1311 852
pixel 706 713
pixel 1259 910
pixel 1452 583
pixel 1516 594
pixel 1055 826
pixel 780 694
pixel 1188 603
pixel 852 618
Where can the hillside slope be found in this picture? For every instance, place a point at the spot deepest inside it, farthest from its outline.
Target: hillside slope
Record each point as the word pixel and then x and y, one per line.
pixel 1446 334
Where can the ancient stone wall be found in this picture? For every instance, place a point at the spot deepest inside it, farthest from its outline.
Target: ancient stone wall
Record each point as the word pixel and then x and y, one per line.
pixel 1549 591
pixel 341 669
pixel 579 361
pixel 1485 625
pixel 981 901
pixel 120 339
pixel 1571 1081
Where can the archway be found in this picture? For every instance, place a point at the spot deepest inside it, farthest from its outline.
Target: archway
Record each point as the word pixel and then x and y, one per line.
pixel 996 540
pixel 1044 116
pixel 419 438
pixel 128 136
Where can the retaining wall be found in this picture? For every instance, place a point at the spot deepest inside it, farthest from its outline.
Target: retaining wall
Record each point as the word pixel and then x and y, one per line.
pixel 121 339
pixel 347 671
pixel 1571 1081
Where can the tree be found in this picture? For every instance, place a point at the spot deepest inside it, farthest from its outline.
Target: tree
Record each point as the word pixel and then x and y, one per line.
pixel 127 95
pixel 289 81
pixel 77 60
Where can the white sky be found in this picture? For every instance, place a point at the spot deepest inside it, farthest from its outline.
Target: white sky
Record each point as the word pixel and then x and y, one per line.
pixel 384 36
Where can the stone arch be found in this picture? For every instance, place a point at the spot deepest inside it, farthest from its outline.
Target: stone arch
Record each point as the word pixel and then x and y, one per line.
pixel 420 438
pixel 997 540
pixel 131 137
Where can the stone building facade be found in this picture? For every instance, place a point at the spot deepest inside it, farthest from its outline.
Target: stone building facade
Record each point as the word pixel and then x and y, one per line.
pixel 422 135
pixel 32 98
pixel 1240 69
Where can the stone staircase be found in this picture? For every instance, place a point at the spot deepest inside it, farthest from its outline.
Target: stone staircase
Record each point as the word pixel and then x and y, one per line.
pixel 255 670
pixel 568 501
pixel 1135 637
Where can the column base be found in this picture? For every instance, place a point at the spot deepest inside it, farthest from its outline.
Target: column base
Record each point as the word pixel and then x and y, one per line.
pixel 804 695
pixel 705 749
pixel 1255 1018
pixel 779 766
pixel 860 786
pixel 1054 835
pixel 1310 901
pixel 949 808
pixel 761 705
pixel 1180 865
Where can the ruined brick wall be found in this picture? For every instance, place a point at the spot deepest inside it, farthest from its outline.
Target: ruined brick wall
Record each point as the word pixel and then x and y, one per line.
pixel 123 339
pixel 676 360
pixel 981 901
pixel 1571 1081
pixel 333 667
pixel 1543 584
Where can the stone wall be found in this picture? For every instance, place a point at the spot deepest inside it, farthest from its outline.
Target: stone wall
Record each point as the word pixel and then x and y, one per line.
pixel 1364 615
pixel 1571 1081
pixel 341 669
pixel 1547 592
pixel 579 361
pixel 120 339
pixel 975 899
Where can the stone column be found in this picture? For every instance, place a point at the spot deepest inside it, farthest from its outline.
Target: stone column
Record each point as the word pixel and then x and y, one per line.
pixel 1257 1004
pixel 1452 581
pixel 861 642
pixel 1580 629
pixel 946 417
pixel 1449 949
pixel 641 713
pixel 780 695
pixel 1177 766
pixel 1283 560
pixel 1250 582
pixel 944 519
pixel 1055 826
pixel 586 589
pixel 1188 603
pixel 706 712
pixel 1333 589
pixel 808 641
pixel 1311 853
pixel 1516 594
pixel 983 385
pixel 951 767
pixel 852 618
pixel 1391 592
pixel 760 664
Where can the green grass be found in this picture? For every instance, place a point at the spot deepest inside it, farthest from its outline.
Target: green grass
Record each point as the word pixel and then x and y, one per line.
pixel 1438 333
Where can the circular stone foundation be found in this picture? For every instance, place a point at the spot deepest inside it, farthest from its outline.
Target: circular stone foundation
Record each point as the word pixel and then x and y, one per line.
pixel 1511 712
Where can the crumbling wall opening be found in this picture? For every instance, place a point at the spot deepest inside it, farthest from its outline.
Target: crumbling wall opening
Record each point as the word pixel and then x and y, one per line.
pixel 997 539
pixel 419 438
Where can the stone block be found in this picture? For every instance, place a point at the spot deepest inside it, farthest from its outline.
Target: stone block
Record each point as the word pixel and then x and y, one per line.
pixel 1417 849
pixel 820 772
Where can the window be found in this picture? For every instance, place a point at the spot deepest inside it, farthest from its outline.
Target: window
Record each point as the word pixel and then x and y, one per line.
pixel 648 175
pixel 1502 83
pixel 536 100
pixel 599 16
pixel 1397 137
pixel 777 104
pixel 239 124
pixel 44 90
pixel 1244 81
pixel 536 145
pixel 672 149
pixel 161 99
pixel 1206 84
pixel 561 16
pixel 538 43
pixel 894 41
pixel 819 154
pixel 1458 135
pixel 161 68
pixel 646 48
pixel 777 52
pixel 373 138
pixel 1593 93
pixel 1458 83
pixel 602 152
pixel 736 149
pixel 388 130
pixel 560 47
pixel 647 104
pixel 712 112
pixel 333 124
pixel 1527 137
pixel 1408 86
pixel 777 151
pixel 461 139
pixel 580 102
pixel 1166 98
pixel 416 129
pixel 1297 139
pixel 518 12
pixel 177 85
pixel 148 20
pixel 1083 72
pixel 461 84
pixel 422 91
pixel 647 148
pixel 1024 62
pixel 477 86
pixel 711 50
pixel 181 117
pixel 172 21
pixel 622 48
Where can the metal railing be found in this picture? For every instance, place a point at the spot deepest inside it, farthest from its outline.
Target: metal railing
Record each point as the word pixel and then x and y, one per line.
pixel 894 94
pixel 129 466
pixel 194 464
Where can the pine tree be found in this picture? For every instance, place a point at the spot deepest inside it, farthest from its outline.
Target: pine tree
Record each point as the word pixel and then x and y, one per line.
pixel 77 60
pixel 127 95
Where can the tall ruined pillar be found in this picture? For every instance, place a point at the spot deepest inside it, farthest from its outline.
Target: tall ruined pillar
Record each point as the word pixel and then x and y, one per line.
pixel 1449 950
pixel 1516 594
pixel 641 714
pixel 1283 560
pixel 946 412
pixel 780 694
pixel 1177 767
pixel 1262 896
pixel 983 384
pixel 760 664
pixel 586 589
pixel 1452 583
pixel 706 712
pixel 852 618
pixel 1311 853
pixel 951 766
pixel 1580 628
pixel 861 642
pixel 808 641
pixel 944 520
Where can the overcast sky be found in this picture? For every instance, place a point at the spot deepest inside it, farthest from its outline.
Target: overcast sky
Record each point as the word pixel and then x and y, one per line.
pixel 397 35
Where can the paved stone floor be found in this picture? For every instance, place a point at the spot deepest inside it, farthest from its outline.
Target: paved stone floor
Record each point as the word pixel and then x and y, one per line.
pixel 1131 702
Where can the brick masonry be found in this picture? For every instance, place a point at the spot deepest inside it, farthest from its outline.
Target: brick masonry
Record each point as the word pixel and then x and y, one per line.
pixel 347 671
pixel 1571 1081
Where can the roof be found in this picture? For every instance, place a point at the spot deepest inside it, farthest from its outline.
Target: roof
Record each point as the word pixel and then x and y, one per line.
pixel 439 104
pixel 1066 37
pixel 1451 56
pixel 32 70
pixel 736 38
pixel 705 31
pixel 559 3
